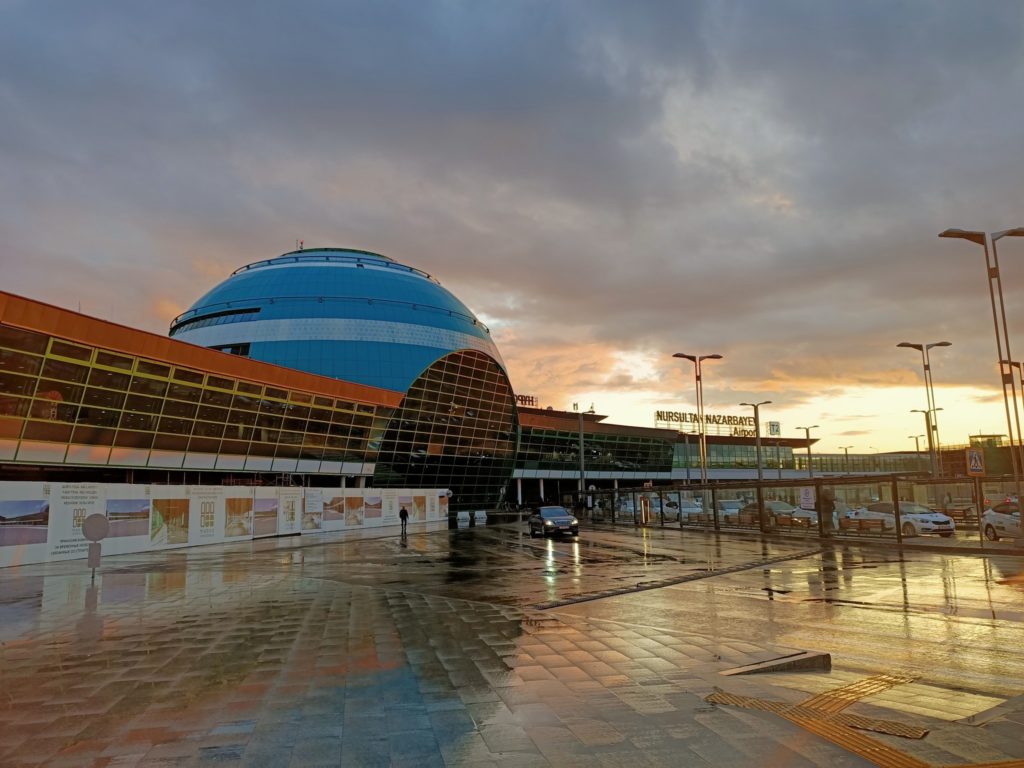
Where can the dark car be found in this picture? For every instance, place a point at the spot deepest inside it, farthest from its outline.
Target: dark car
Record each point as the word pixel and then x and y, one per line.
pixel 548 521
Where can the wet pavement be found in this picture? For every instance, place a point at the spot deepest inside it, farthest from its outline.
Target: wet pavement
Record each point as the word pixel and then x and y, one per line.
pixel 484 647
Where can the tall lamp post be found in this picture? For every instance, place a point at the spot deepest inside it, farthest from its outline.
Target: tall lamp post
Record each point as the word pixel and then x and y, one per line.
pixel 917 443
pixel 702 433
pixel 757 433
pixel 807 433
pixel 929 391
pixel 927 424
pixel 995 290
pixel 583 468
pixel 846 452
pixel 996 237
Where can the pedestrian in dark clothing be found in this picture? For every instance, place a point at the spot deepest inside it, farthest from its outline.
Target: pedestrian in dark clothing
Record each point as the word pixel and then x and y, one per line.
pixel 403 515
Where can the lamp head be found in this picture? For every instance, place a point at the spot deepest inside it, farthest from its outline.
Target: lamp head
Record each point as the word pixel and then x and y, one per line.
pixel 909 345
pixel 1015 232
pixel 691 358
pixel 710 357
pixel 941 344
pixel 965 234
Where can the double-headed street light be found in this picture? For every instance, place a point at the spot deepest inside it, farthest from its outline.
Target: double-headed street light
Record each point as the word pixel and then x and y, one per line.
pixel 702 431
pixel 929 390
pixel 757 433
pixel 807 432
pixel 917 442
pixel 995 291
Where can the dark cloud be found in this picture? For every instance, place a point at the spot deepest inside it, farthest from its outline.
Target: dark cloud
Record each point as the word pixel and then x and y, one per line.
pixel 765 180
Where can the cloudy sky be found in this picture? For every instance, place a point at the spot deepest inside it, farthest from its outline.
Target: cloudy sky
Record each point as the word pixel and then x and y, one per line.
pixel 604 183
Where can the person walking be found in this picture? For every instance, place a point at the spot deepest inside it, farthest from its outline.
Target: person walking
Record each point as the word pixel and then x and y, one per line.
pixel 403 515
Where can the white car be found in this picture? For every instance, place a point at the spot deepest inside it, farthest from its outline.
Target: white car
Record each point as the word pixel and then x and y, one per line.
pixel 915 518
pixel 686 511
pixel 1001 521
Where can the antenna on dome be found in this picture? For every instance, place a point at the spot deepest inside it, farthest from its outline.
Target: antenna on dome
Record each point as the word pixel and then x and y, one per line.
pixel 302 244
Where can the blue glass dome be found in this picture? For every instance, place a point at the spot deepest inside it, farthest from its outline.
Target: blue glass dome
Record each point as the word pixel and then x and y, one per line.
pixel 348 314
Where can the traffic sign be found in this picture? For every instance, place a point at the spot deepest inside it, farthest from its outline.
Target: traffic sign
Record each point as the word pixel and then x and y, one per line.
pixel 975 462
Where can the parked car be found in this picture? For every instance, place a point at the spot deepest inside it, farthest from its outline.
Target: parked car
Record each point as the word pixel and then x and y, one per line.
pixel 1001 521
pixel 686 511
pixel 963 512
pixel 549 521
pixel 915 518
pixel 773 507
pixel 730 506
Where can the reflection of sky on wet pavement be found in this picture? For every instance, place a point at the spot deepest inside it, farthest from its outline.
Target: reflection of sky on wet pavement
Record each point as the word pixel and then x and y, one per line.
pixel 239 635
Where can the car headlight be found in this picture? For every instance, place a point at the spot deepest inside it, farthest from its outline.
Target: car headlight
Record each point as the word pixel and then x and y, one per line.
pixel 548 523
pixel 574 521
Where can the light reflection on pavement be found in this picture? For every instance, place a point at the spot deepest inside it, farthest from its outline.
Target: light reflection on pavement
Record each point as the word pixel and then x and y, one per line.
pixel 344 636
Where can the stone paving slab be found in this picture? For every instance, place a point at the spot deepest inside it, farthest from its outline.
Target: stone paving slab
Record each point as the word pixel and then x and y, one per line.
pixel 280 657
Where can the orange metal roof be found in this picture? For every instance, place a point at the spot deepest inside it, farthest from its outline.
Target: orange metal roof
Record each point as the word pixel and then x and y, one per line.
pixel 73 326
pixel 568 421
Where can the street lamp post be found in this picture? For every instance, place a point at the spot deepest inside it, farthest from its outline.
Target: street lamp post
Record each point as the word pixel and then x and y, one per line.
pixel 995 290
pixel 846 452
pixel 583 468
pixel 929 390
pixel 686 449
pixel 757 433
pixel 917 443
pixel 778 457
pixel 996 237
pixel 927 421
pixel 702 430
pixel 807 433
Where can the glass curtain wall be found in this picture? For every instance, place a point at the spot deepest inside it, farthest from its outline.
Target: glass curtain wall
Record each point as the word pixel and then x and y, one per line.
pixel 62 402
pixel 457 428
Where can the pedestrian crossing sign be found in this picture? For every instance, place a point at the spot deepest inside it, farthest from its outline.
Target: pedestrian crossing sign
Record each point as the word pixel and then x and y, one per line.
pixel 975 462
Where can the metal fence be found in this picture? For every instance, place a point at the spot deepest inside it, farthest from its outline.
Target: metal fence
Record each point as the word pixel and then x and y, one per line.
pixel 886 507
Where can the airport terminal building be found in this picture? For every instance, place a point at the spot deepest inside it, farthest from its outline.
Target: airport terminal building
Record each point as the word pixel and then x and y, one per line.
pixel 320 368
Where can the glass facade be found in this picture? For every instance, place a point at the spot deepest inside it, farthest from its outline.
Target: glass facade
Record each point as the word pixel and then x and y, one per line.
pixel 68 403
pixel 456 428
pixel 546 449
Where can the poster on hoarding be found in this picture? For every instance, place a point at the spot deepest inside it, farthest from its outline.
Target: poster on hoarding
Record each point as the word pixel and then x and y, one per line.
pixel 373 510
pixel 313 511
pixel 70 504
pixel 238 514
pixel 354 508
pixel 24 523
pixel 169 520
pixel 289 510
pixel 389 506
pixel 333 508
pixel 265 512
pixel 206 514
pixel 128 510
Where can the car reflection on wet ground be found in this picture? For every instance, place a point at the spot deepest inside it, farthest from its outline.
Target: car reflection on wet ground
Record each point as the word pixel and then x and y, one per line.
pixel 481 646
